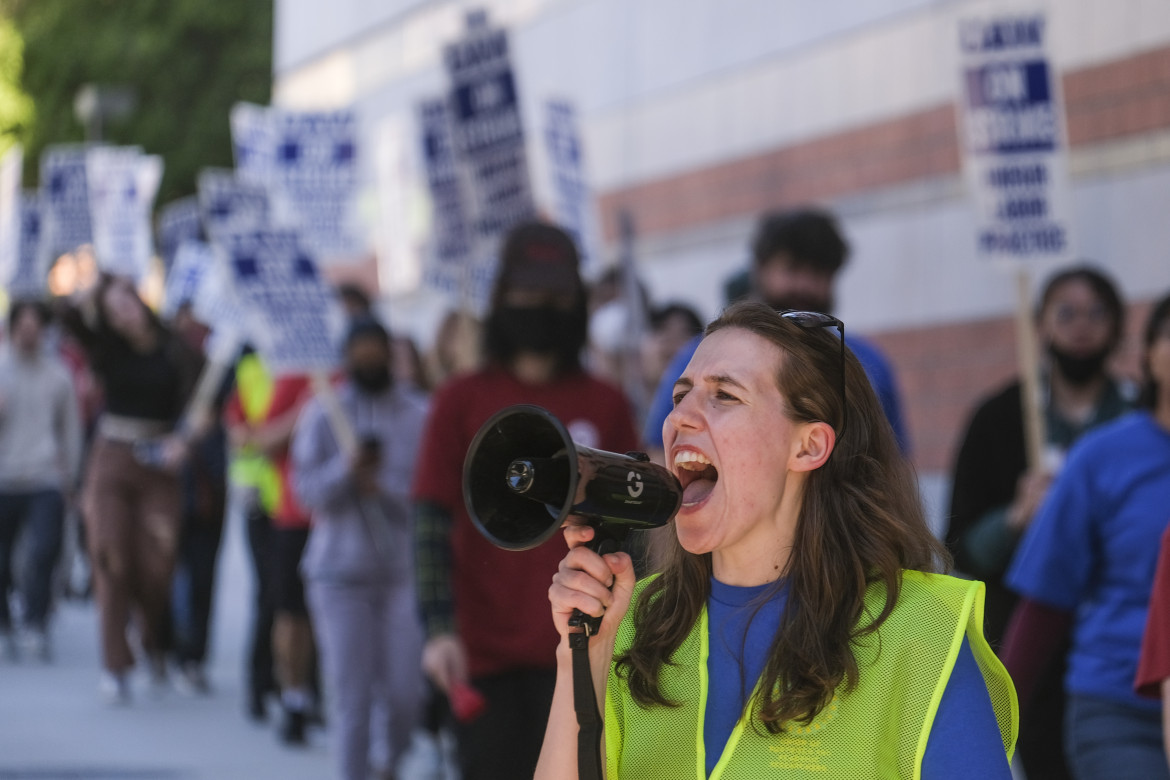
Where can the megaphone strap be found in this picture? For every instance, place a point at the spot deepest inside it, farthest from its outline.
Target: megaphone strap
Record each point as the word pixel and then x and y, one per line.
pixel 588 715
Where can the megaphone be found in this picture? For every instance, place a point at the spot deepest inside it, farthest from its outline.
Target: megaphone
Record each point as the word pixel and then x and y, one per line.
pixel 523 475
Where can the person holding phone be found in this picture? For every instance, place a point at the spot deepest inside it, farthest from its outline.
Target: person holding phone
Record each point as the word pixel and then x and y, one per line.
pixel 358 563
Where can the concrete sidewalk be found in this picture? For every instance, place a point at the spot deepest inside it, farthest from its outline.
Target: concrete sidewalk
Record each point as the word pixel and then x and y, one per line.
pixel 54 724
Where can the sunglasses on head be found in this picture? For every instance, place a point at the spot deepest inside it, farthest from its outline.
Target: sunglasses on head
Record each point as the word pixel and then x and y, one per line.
pixel 811 320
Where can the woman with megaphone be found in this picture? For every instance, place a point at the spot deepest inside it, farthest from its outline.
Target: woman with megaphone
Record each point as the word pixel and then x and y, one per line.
pixel 796 626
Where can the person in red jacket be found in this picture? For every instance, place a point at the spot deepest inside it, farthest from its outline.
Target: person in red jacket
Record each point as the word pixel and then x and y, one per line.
pixel 1153 674
pixel 260 419
pixel 485 610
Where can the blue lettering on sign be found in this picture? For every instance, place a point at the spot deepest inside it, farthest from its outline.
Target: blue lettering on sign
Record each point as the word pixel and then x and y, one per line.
pixel 1008 84
pixel 1011 108
pixel 220 208
pixel 1017 176
pixel 246 267
pixel 433 146
pixel 476 52
pixel 303 268
pixel 485 96
pixel 1022 208
pixel 1003 34
pixel 31 226
pixel 1046 238
pixel 289 151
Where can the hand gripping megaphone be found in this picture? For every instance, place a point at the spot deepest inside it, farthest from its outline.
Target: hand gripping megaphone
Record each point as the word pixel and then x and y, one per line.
pixel 524 475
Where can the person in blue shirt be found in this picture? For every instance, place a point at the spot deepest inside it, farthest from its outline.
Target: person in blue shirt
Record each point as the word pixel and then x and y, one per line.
pixel 795 259
pixel 1086 563
pixel 995 492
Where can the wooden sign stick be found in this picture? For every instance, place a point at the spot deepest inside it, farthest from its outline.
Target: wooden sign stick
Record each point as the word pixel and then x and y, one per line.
pixel 1030 394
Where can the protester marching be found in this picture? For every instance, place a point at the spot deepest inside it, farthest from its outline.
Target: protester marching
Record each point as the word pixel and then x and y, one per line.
pixel 887 337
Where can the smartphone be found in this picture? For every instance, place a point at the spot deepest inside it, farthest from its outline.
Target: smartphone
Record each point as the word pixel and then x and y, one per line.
pixel 371 448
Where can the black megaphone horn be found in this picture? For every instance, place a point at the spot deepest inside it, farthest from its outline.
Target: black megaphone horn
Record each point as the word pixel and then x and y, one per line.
pixel 524 476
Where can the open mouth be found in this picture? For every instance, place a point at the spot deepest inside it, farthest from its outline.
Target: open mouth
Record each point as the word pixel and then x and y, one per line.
pixel 696 475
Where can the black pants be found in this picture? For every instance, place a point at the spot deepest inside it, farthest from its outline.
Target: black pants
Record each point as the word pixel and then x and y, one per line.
pixel 1041 742
pixel 261 680
pixel 191 593
pixel 504 742
pixel 40 514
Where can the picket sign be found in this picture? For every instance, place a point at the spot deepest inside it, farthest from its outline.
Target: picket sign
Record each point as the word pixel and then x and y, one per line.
pixel 11 222
pixel 276 278
pixel 572 201
pixel 185 276
pixel 229 205
pixel 488 141
pixel 178 222
pixel 25 272
pixel 65 194
pixel 309 163
pixel 122 182
pixel 450 250
pixel 24 266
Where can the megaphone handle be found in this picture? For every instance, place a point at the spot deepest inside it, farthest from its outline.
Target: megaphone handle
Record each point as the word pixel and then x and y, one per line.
pixel 589 762
pixel 602 543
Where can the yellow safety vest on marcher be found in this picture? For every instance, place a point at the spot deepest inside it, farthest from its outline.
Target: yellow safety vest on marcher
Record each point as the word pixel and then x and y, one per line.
pixel 877 730
pixel 254 385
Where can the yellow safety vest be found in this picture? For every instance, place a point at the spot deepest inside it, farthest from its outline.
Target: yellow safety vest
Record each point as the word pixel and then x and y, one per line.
pixel 877 730
pixel 255 386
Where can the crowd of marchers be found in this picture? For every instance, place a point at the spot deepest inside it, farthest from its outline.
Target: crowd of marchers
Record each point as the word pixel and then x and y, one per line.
pixel 383 617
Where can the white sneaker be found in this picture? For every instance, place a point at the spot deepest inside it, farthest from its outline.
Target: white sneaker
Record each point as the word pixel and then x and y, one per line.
pixel 191 680
pixel 36 644
pixel 114 688
pixel 424 759
pixel 159 681
pixel 9 649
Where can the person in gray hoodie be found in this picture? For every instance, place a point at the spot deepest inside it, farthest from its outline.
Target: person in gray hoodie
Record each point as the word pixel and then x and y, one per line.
pixel 358 564
pixel 40 455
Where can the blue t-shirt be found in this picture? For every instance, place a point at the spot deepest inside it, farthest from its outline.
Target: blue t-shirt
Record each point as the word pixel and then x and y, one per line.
pixel 1093 546
pixel 964 741
pixel 877 368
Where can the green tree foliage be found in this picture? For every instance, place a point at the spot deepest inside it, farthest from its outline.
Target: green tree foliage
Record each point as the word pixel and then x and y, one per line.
pixel 15 106
pixel 188 62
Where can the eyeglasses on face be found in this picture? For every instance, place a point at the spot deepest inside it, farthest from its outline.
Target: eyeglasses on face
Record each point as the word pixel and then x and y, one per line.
pixel 811 320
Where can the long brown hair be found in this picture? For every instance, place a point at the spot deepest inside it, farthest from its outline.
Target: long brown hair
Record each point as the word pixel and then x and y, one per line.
pixel 860 522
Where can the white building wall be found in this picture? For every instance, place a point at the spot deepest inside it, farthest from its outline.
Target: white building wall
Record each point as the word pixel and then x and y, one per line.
pixel 668 86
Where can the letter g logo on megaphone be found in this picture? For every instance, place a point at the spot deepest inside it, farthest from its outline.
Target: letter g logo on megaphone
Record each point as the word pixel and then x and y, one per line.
pixel 635 487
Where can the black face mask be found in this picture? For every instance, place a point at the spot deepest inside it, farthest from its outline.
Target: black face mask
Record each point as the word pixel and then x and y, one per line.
pixel 372 380
pixel 1077 369
pixel 543 329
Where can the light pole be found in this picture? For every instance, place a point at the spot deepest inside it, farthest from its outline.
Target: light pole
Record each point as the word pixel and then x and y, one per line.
pixel 95 104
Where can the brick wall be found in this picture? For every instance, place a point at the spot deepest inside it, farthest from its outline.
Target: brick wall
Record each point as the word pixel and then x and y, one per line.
pixel 1104 102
